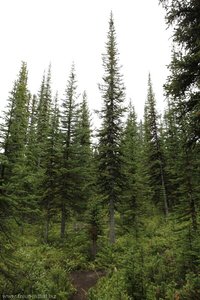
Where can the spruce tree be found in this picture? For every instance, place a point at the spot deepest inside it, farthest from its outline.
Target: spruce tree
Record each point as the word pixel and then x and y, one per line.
pixel 84 156
pixel 188 174
pixel 181 157
pixel 13 193
pixel 14 140
pixel 184 17
pixel 155 160
pixel 16 122
pixel 31 150
pixel 43 117
pixel 172 149
pixel 182 160
pixel 110 161
pixel 130 150
pixel 50 183
pixel 68 166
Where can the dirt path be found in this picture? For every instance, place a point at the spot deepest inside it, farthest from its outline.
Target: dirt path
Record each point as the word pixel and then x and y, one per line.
pixel 83 281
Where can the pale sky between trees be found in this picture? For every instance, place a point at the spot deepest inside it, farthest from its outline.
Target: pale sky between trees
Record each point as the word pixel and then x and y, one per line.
pixel 62 31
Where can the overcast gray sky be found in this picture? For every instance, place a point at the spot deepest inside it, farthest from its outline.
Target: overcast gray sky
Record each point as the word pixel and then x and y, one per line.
pixel 62 31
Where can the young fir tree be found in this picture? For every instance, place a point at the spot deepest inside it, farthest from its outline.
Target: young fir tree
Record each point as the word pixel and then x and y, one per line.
pixel 87 202
pixel 68 167
pixel 110 161
pixel 50 181
pixel 181 157
pixel 31 165
pixel 143 189
pixel 13 171
pixel 31 151
pixel 130 149
pixel 43 117
pixel 94 221
pixel 182 168
pixel 85 170
pixel 188 166
pixel 182 165
pixel 16 122
pixel 155 161
pixel 13 192
pixel 172 150
pixel 40 130
pixel 5 208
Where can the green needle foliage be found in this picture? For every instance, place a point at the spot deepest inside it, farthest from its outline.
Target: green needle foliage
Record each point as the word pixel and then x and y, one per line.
pixel 61 197
pixel 84 157
pixel 155 161
pixel 110 160
pixel 130 150
pixel 68 175
pixel 184 17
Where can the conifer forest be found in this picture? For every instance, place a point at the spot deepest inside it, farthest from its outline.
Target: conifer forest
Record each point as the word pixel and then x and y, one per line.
pixel 112 213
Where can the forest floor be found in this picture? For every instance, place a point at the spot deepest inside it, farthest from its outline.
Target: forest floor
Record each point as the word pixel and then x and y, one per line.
pixel 83 281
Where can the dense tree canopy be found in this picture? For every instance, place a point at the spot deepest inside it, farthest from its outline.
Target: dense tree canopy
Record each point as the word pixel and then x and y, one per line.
pixel 121 201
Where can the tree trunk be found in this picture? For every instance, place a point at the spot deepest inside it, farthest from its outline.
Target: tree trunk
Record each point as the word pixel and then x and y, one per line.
pixel 112 222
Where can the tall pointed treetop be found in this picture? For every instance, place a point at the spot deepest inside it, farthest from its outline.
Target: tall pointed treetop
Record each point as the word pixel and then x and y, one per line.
pixel 110 133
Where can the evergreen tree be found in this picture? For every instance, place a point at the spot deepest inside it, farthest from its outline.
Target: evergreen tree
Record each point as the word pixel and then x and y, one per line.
pixel 14 140
pixel 13 193
pixel 182 161
pixel 94 221
pixel 130 149
pixel 188 174
pixel 84 156
pixel 155 160
pixel 31 151
pixel 172 150
pixel 184 17
pixel 180 158
pixel 16 122
pixel 86 190
pixel 110 161
pixel 182 165
pixel 43 117
pixel 50 181
pixel 68 166
pixel 39 134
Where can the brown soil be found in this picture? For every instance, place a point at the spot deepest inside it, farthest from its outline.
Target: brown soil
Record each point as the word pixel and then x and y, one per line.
pixel 83 281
